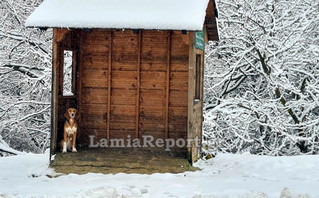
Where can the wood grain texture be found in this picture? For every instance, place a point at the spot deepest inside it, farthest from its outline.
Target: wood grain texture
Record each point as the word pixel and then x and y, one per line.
pixel 55 84
pixel 134 83
pixel 138 87
pixel 210 22
pixel 109 90
pixel 195 106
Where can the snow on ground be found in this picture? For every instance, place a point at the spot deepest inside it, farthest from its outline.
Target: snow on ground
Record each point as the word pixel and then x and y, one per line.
pixel 226 176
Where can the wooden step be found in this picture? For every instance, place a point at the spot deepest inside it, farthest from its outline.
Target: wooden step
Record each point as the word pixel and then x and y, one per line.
pixel 117 160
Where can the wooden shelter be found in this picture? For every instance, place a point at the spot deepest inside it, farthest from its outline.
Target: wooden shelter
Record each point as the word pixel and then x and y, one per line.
pixel 131 74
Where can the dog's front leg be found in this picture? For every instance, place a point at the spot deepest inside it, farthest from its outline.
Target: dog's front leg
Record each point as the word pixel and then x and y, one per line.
pixel 73 143
pixel 65 139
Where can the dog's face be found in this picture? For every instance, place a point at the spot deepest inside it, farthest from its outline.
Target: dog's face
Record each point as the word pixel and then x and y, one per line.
pixel 71 113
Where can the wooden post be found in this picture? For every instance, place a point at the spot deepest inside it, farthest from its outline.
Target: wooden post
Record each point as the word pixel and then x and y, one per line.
pixel 54 95
pixel 167 83
pixel 138 85
pixel 191 87
pixel 79 81
pixel 109 87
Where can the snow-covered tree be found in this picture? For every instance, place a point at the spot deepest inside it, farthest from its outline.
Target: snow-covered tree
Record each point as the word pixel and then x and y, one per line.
pixel 25 70
pixel 262 78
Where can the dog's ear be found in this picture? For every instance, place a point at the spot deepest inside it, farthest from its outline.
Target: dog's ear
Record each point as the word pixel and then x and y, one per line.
pixel 67 115
pixel 77 114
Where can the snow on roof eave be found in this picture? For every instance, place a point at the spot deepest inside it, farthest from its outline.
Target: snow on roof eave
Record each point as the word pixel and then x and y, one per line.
pixel 184 27
pixel 109 14
pixel 116 28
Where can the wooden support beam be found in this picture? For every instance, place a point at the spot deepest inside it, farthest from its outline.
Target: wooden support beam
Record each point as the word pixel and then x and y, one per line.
pixel 191 87
pixel 60 34
pixel 138 84
pixel 109 76
pixel 54 101
pixel 79 70
pixel 167 83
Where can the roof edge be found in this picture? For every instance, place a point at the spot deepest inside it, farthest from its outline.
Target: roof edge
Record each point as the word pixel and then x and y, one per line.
pixel 210 21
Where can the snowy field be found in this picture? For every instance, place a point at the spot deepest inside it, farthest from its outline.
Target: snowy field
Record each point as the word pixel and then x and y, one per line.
pixel 226 176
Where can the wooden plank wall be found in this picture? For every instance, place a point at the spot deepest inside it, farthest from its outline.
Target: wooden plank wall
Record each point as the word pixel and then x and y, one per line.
pixel 153 83
pixel 178 102
pixel 94 85
pixel 134 83
pixel 124 84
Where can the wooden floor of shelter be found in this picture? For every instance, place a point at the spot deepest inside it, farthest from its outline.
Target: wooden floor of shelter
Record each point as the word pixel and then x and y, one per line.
pixel 121 160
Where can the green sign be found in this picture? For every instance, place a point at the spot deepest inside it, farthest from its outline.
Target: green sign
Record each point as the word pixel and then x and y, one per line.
pixel 200 40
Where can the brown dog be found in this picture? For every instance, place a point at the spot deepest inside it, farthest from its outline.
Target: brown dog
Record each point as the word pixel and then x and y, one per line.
pixel 70 130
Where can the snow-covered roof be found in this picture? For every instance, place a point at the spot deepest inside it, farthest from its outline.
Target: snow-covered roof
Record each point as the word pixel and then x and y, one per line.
pixel 120 14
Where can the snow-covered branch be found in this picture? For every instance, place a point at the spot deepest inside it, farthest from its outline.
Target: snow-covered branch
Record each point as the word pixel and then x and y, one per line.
pixel 25 70
pixel 262 78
